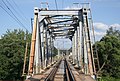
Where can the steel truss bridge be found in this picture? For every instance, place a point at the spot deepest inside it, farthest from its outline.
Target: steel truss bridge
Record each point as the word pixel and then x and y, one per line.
pixel 77 25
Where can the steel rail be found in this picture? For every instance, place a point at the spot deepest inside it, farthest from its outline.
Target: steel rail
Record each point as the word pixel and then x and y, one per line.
pixel 69 74
pixel 52 74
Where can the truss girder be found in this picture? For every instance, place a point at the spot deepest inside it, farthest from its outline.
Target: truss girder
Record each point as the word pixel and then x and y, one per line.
pixel 74 26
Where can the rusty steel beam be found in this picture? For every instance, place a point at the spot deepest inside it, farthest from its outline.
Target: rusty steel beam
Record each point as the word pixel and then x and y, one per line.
pixel 33 41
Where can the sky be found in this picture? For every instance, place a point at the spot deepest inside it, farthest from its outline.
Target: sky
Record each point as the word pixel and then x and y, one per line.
pixel 105 13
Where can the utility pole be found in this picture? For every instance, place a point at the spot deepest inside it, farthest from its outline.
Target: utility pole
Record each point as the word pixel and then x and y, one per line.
pixel 25 59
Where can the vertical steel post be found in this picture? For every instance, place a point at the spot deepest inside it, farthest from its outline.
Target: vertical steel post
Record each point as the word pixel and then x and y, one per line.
pixel 46 46
pixel 42 45
pixel 85 54
pixel 78 29
pixel 80 44
pixel 77 48
pixel 58 53
pixel 82 41
pixel 32 52
pixel 47 58
pixel 52 43
pixel 75 43
pixel 73 49
pixel 50 48
pixel 79 39
pixel 90 53
pixel 37 50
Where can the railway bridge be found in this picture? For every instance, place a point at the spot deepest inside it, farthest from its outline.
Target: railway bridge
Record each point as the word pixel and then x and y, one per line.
pixel 80 64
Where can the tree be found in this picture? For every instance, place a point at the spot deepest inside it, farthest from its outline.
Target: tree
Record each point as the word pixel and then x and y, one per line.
pixel 113 32
pixel 12 48
pixel 109 53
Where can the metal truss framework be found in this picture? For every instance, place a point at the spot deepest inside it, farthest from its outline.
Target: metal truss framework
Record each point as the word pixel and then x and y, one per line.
pixel 72 24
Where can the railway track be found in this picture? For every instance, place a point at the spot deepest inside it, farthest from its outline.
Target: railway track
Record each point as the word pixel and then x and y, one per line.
pixel 68 73
pixel 52 74
pixel 61 72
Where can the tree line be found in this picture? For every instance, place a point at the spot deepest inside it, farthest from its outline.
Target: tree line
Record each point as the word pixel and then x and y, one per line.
pixel 12 49
pixel 109 55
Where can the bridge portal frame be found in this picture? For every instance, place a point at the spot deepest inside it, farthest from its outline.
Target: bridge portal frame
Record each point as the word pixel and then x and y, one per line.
pixel 43 37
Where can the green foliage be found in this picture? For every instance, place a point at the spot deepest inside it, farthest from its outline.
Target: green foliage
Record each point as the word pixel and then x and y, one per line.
pixel 109 79
pixel 55 52
pixel 114 32
pixel 109 52
pixel 12 48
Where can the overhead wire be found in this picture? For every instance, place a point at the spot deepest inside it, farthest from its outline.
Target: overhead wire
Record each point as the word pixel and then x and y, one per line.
pixel 56 5
pixel 62 3
pixel 18 8
pixel 14 16
pixel 15 10
pixel 8 13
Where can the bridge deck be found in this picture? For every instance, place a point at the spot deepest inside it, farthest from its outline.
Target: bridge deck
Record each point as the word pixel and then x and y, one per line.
pixel 60 74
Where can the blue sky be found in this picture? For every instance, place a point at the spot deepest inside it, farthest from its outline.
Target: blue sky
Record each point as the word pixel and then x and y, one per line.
pixel 105 13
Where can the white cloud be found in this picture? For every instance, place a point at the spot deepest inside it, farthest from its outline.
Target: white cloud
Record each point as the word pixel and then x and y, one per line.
pixel 99 33
pixel 100 29
pixel 100 26
pixel 115 25
pixel 62 43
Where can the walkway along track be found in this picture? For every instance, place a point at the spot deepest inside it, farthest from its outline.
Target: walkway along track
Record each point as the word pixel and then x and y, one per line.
pixel 63 70
pixel 67 76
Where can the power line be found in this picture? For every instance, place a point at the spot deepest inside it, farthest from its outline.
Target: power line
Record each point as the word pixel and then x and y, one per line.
pixel 12 17
pixel 8 13
pixel 20 10
pixel 15 9
pixel 56 4
pixel 62 3
pixel 15 17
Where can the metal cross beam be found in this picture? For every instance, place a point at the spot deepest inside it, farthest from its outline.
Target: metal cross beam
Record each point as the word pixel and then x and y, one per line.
pixel 59 12
pixel 60 22
pixel 57 27
pixel 63 30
